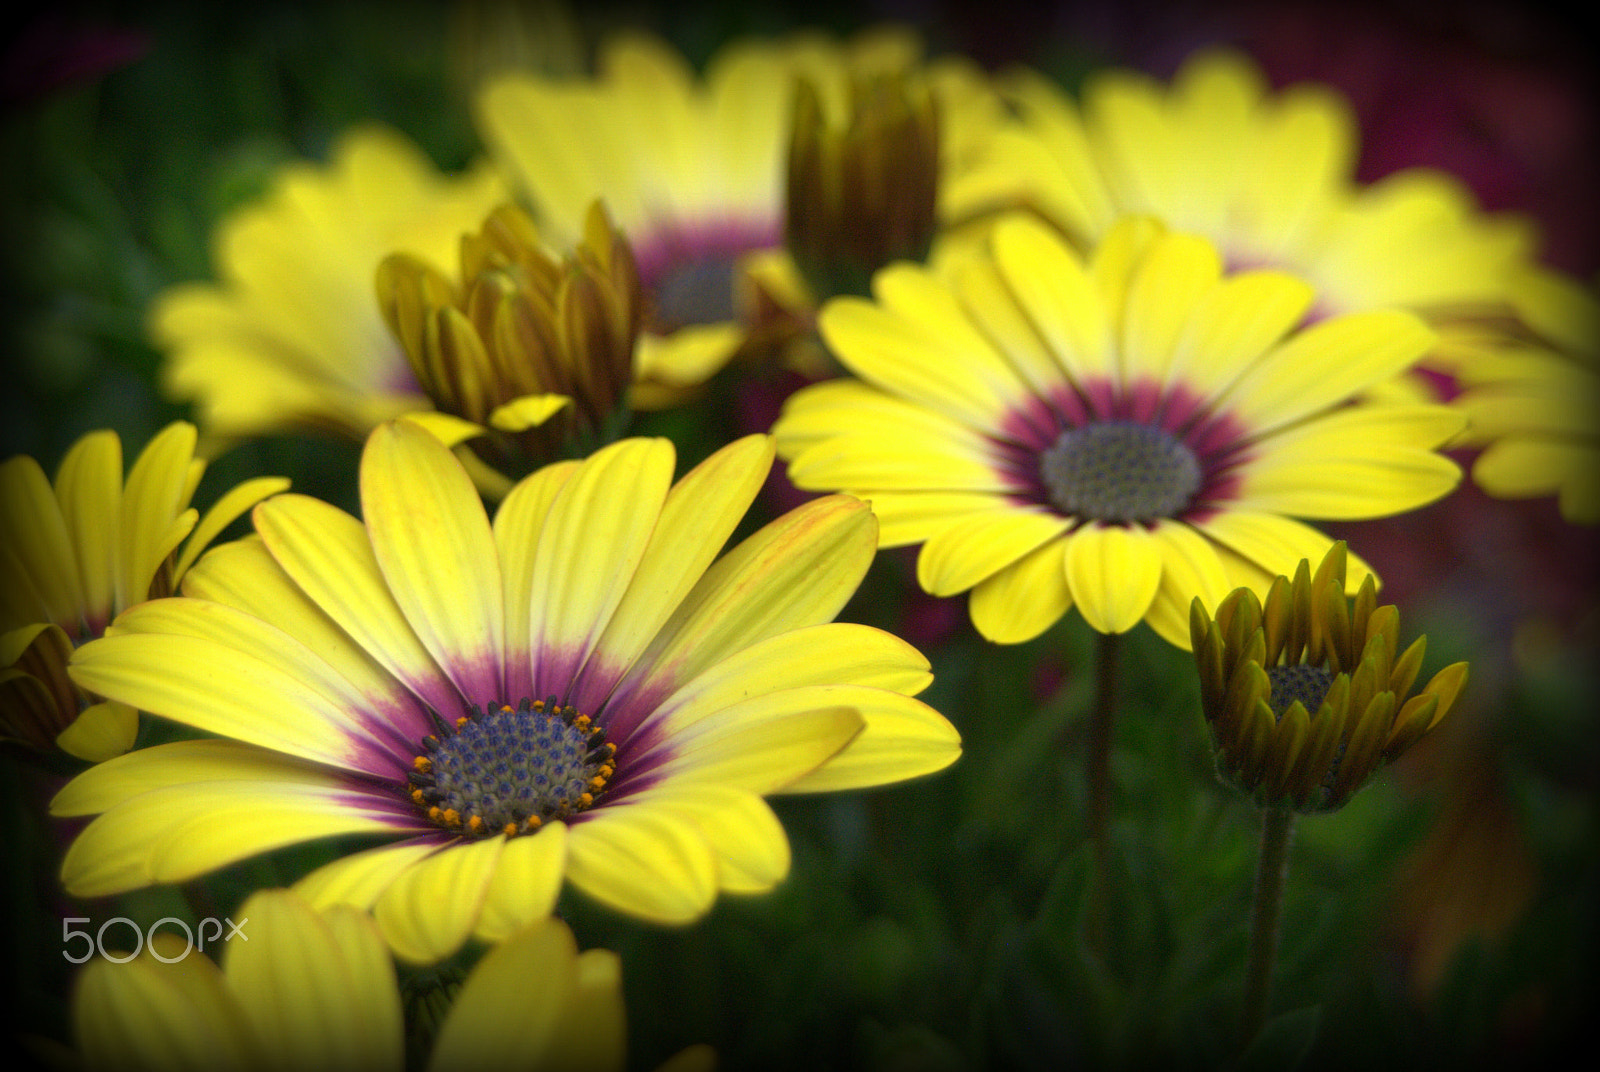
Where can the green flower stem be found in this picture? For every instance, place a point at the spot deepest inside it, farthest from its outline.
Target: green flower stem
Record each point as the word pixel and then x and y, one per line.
pixel 1272 868
pixel 1101 719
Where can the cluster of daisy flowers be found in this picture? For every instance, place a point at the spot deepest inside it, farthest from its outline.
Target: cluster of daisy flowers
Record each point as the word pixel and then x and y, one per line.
pixel 1109 353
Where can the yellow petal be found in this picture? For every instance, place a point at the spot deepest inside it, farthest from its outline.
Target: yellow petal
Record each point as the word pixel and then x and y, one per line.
pixel 89 487
pixel 916 516
pixel 431 907
pixel 329 557
pixel 796 571
pixel 1176 273
pixel 145 1014
pixel 643 863
pixel 367 718
pixel 244 575
pixel 312 1005
pixel 360 878
pixel 899 448
pixel 495 1023
pixel 903 738
pixel 699 514
pixel 834 653
pixel 517 524
pixel 1276 544
pixel 899 355
pixel 527 879
pixel 176 833
pixel 1190 569
pixel 1114 573
pixel 761 744
pixel 445 427
pixel 204 683
pixel 153 503
pixel 1326 363
pixel 101 731
pixel 1234 323
pixel 591 544
pixel 1057 294
pixel 32 529
pixel 746 838
pixel 107 784
pixel 223 513
pixel 432 541
pixel 1365 462
pixel 1023 599
pixel 526 412
pixel 973 549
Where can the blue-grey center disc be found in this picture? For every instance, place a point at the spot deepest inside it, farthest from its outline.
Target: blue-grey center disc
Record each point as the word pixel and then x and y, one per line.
pixel 1120 471
pixel 1308 684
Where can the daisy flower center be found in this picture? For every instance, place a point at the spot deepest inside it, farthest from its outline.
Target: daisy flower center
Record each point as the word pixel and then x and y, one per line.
pixel 1120 471
pixel 512 769
pixel 1297 681
pixel 698 291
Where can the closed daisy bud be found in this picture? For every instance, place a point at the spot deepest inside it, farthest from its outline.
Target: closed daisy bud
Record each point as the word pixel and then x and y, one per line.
pixel 861 193
pixel 529 355
pixel 1308 694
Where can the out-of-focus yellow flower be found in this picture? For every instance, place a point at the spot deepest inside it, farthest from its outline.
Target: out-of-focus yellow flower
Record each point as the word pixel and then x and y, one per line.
pixel 304 991
pixel 1268 176
pixel 692 169
pixel 289 336
pixel 529 356
pixel 75 555
pixel 1308 695
pixel 1535 402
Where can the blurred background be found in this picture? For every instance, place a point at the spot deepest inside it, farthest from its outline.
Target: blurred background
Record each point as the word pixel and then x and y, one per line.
pixel 1446 916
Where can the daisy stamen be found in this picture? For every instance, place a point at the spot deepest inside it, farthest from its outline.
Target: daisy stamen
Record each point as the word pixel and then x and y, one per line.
pixel 513 769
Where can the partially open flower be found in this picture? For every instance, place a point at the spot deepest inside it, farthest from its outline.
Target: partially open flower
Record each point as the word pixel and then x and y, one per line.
pixel 862 187
pixel 691 163
pixel 530 356
pixel 1306 696
pixel 74 555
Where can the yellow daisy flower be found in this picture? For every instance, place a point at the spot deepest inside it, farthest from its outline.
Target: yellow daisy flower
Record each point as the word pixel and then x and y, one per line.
pixel 301 989
pixel 76 554
pixel 576 690
pixel 1119 434
pixel 1307 696
pixel 1536 402
pixel 290 335
pixel 1267 176
pixel 692 169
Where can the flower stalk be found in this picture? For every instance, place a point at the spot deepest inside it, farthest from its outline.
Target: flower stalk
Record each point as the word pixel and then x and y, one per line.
pixel 1266 917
